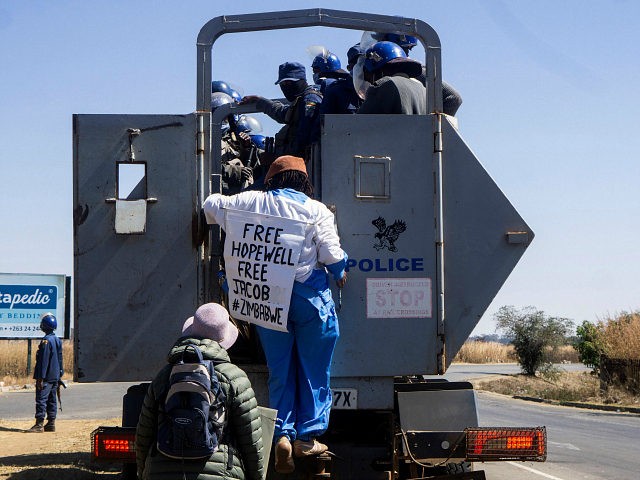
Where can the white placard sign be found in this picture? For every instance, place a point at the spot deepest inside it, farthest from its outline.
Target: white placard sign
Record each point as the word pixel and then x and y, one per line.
pixel 261 253
pixel 398 298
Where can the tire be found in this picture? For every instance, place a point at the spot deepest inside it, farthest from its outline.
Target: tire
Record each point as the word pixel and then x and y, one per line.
pixel 129 471
pixel 462 467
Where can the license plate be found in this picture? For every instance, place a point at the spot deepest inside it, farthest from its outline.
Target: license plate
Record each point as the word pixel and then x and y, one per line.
pixel 345 398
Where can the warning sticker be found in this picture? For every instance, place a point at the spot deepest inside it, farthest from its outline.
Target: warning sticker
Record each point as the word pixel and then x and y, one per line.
pixel 398 298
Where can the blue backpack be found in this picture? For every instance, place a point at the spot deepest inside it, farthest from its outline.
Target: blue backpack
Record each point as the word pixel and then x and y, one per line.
pixel 192 415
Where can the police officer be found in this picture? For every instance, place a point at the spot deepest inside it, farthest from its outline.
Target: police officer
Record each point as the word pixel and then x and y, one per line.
pixel 451 99
pixel 47 373
pixel 223 87
pixel 299 117
pixel 237 150
pixel 340 97
pixel 327 69
pixel 394 87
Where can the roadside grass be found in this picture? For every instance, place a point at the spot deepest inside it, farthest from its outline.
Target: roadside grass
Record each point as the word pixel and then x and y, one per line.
pixel 493 352
pixel 565 387
pixel 13 361
pixel 620 335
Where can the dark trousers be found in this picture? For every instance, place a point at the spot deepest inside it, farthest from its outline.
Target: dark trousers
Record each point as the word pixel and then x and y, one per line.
pixel 46 401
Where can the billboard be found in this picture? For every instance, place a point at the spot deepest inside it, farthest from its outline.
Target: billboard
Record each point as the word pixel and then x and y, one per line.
pixel 24 297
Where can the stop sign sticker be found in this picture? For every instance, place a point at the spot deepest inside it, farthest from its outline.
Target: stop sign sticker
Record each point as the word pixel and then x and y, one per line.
pixel 398 298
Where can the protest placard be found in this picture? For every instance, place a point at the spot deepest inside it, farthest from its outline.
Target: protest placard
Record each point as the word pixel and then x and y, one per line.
pixel 261 253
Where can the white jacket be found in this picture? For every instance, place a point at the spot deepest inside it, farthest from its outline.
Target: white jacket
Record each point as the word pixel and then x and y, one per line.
pixel 321 245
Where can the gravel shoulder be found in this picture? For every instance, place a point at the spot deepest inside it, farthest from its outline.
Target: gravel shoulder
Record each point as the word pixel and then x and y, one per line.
pixel 63 454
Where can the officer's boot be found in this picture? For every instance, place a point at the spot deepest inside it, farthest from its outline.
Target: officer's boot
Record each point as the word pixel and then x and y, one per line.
pixel 38 427
pixel 50 426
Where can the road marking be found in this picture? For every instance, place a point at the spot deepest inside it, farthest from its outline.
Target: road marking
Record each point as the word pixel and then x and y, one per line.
pixel 533 470
pixel 569 446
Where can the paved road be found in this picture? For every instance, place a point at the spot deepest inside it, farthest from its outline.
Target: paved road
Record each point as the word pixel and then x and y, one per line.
pixel 468 371
pixel 79 400
pixel 583 444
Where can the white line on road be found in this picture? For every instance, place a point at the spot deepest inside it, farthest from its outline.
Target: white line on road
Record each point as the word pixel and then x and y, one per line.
pixel 570 446
pixel 533 470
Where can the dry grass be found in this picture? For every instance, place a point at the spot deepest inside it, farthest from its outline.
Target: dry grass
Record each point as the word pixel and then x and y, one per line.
pixel 493 352
pixel 620 335
pixel 485 352
pixel 13 360
pixel 563 354
pixel 569 387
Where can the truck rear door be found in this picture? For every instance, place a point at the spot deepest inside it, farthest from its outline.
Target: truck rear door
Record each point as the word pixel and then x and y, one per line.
pixel 138 269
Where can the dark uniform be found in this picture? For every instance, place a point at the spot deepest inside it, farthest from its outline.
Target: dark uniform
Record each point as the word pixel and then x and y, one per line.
pixel 451 98
pixel 397 94
pixel 340 97
pixel 48 371
pixel 299 118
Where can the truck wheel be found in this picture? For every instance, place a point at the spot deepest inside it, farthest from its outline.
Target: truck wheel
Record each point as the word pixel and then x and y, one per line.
pixel 129 471
pixel 462 467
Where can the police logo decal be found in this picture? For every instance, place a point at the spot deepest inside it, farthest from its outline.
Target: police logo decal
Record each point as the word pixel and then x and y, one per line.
pixel 387 234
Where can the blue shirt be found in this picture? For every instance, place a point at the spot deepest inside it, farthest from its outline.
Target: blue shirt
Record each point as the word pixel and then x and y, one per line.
pixel 49 359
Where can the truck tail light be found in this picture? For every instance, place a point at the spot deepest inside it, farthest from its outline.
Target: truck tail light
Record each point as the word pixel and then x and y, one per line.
pixel 113 443
pixel 506 443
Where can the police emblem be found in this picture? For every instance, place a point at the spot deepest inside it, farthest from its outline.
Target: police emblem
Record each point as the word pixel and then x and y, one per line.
pixel 388 234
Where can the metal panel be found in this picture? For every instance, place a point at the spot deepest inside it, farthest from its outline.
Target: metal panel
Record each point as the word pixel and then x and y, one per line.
pixel 374 393
pixel 437 410
pixel 133 292
pixel 383 250
pixel 252 22
pixel 479 255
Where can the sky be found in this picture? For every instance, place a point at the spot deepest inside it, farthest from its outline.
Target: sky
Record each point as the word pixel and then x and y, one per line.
pixel 551 105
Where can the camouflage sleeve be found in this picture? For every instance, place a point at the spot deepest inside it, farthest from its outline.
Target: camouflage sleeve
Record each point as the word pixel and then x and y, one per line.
pixel 232 174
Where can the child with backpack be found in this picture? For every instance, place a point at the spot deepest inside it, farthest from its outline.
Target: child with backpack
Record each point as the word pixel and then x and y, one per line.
pixel 200 415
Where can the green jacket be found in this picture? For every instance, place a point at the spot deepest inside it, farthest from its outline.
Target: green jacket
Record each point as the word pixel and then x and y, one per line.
pixel 243 425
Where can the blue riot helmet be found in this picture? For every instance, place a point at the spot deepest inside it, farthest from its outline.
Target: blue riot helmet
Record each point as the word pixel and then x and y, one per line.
pixel 382 53
pixel 217 100
pixel 406 42
pixel 326 63
pixel 48 322
pixel 258 141
pixel 235 95
pixel 220 98
pixel 249 124
pixel 223 87
pixel 378 60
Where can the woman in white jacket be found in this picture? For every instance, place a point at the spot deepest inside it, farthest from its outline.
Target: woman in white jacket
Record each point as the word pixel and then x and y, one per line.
pixel 299 360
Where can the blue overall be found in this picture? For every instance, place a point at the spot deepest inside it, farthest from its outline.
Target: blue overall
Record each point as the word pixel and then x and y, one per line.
pixel 49 369
pixel 299 360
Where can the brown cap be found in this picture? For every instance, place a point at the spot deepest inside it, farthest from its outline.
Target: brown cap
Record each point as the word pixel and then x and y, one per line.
pixel 285 163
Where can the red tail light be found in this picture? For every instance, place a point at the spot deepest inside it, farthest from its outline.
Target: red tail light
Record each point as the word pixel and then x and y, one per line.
pixel 113 443
pixel 491 444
